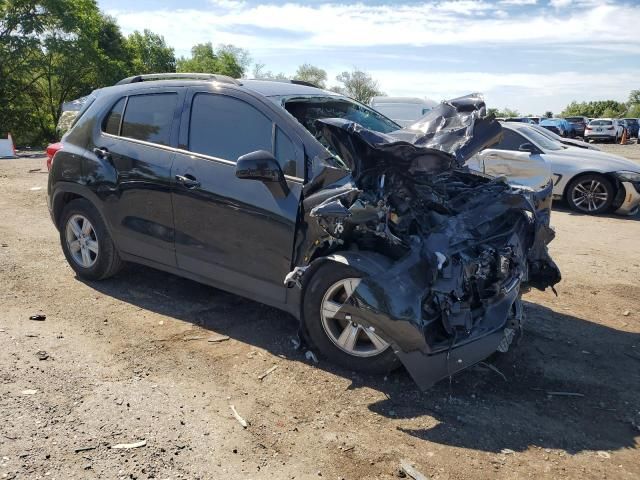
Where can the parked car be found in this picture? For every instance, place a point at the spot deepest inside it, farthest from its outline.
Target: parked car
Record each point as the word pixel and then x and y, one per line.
pixel 590 181
pixel 559 126
pixel 633 126
pixel 579 124
pixel 520 119
pixel 570 142
pixel 402 110
pixel 313 203
pixel 535 120
pixel 605 129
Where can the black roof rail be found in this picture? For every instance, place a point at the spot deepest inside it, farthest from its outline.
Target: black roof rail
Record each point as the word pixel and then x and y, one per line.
pixel 287 80
pixel 302 82
pixel 179 76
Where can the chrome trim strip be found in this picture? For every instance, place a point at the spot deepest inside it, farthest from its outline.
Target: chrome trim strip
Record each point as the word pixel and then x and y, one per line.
pixel 187 152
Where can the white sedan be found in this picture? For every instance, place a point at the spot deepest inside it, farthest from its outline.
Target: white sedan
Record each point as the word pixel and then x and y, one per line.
pixel 590 181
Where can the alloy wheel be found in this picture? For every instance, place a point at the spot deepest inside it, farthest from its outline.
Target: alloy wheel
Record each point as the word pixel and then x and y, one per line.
pixel 348 336
pixel 82 241
pixel 590 195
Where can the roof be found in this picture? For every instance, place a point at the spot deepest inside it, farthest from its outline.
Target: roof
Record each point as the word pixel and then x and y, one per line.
pixel 272 88
pixel 405 100
pixel 268 88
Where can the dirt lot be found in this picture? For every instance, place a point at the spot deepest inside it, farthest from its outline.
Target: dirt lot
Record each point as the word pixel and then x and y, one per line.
pixel 129 360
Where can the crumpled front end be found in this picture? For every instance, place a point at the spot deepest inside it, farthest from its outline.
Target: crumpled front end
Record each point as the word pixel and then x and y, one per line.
pixel 460 247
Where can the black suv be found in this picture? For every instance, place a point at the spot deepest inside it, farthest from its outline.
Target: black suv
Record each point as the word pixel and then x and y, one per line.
pixel 378 240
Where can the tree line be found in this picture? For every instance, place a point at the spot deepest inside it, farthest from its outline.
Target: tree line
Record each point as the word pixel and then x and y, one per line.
pixel 54 51
pixel 593 109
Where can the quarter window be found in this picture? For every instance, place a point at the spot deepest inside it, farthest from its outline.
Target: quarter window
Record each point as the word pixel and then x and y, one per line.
pixel 286 154
pixel 149 117
pixel 111 123
pixel 227 128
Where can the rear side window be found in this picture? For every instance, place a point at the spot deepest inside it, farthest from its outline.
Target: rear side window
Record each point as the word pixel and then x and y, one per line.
pixel 225 127
pixel 510 140
pixel 149 117
pixel 111 123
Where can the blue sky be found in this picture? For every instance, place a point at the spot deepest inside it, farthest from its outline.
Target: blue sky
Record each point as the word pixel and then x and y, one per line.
pixel 532 55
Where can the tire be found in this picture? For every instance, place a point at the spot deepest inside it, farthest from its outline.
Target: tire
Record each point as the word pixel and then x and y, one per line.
pixel 322 332
pixel 600 188
pixel 96 257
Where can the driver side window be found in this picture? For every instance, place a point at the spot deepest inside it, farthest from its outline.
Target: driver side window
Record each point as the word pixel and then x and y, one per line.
pixel 510 141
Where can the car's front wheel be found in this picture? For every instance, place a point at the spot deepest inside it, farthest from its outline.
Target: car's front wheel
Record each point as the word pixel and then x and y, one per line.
pixel 591 194
pixel 337 337
pixel 86 243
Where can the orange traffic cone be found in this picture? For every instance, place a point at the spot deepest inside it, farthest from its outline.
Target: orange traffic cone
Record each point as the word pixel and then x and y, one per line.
pixel 623 140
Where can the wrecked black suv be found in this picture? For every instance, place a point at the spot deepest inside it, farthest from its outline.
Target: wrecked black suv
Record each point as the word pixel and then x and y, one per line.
pixel 379 240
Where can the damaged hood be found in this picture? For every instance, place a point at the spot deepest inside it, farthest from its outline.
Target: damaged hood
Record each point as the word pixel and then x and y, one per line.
pixel 443 139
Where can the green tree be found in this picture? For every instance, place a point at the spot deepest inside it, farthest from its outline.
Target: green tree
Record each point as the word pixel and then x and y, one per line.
pixel 242 56
pixel 149 53
pixel 548 114
pixel 634 97
pixel 52 51
pixel 260 73
pixel 204 59
pixel 312 74
pixel 634 111
pixel 595 109
pixel 504 113
pixel 358 85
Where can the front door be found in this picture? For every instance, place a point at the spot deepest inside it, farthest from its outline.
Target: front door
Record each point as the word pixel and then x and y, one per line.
pixel 234 231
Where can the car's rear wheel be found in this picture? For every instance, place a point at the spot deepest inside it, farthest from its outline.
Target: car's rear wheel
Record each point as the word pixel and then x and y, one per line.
pixel 338 338
pixel 86 243
pixel 591 194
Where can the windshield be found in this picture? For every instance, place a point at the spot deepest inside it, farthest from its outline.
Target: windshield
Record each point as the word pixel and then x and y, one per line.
pixel 575 119
pixel 543 141
pixel 601 122
pixel 632 122
pixel 309 109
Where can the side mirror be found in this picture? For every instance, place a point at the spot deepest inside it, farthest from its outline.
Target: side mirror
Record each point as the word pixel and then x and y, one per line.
pixel 262 165
pixel 528 147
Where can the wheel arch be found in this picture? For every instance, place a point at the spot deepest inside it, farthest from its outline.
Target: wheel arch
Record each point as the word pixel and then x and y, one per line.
pixel 366 261
pixel 609 176
pixel 66 193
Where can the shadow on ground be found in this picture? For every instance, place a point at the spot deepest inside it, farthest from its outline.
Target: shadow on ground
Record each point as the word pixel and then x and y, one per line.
pixel 478 409
pixel 562 206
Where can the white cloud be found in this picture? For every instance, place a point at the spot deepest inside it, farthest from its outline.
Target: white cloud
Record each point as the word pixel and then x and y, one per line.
pixel 559 3
pixel 518 2
pixel 357 25
pixel 531 92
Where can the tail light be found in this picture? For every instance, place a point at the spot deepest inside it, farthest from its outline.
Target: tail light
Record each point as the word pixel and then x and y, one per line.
pixel 587 127
pixel 51 151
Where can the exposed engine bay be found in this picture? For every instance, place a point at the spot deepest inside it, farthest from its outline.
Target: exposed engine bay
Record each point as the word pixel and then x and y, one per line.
pixel 447 252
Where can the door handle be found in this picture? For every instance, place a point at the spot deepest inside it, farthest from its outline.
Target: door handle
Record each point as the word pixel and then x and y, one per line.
pixel 102 153
pixel 188 181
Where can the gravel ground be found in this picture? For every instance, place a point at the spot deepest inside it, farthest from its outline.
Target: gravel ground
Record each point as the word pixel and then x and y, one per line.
pixel 128 360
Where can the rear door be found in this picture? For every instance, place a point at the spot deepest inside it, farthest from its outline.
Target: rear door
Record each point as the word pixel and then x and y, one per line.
pixel 232 231
pixel 137 137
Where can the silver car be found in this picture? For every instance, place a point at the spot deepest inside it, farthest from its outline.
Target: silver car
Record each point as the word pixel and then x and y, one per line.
pixel 590 181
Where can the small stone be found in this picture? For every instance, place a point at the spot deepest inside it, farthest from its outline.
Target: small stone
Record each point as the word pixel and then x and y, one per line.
pixel 626 313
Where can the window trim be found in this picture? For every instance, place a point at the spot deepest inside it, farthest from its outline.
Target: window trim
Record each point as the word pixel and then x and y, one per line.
pixel 106 116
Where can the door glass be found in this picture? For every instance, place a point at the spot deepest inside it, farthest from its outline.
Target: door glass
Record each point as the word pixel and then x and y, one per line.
pixel 111 123
pixel 225 127
pixel 149 117
pixel 285 154
pixel 510 140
